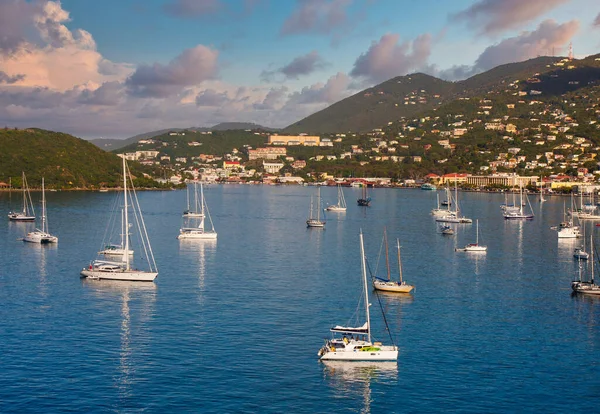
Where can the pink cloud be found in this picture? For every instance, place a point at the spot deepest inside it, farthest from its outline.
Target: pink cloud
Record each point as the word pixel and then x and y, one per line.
pixel 548 36
pixel 597 21
pixel 495 16
pixel 316 16
pixel 191 67
pixel 387 58
pixel 333 90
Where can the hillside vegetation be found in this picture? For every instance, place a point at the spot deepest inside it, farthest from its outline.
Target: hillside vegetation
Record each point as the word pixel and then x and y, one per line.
pixel 64 161
pixel 406 96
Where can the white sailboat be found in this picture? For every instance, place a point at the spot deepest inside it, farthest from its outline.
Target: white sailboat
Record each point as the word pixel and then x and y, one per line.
pixel 315 220
pixel 354 343
pixel 454 216
pixel 567 228
pixel 197 210
pixel 114 249
pixel 474 247
pixel 28 212
pixel 579 253
pixel 585 211
pixel 101 269
pixel 200 232
pixel 587 287
pixel 441 212
pixel 389 285
pixel 517 212
pixel 42 235
pixel 341 203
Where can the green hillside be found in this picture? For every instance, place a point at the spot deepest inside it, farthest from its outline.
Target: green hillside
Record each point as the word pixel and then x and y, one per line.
pixel 217 143
pixel 407 96
pixel 64 161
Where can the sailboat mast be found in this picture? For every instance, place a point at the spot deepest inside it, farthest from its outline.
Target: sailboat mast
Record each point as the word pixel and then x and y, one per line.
pixel 477 231
pixel 399 261
pixel 387 258
pixel 592 253
pixel 126 215
pixel 318 203
pixel 24 184
pixel 187 188
pixel 364 275
pixel 44 225
pixel 201 225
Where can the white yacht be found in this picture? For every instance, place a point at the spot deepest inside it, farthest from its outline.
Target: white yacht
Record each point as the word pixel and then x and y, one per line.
pixel 28 213
pixel 42 235
pixel 355 343
pixel 200 232
pixel 588 287
pixel 474 247
pixel 341 203
pixel 123 269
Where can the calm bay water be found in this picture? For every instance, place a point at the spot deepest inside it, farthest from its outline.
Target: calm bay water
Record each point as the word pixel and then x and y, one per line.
pixel 235 326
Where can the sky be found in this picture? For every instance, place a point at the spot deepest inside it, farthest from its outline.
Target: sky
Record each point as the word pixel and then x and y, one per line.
pixel 118 68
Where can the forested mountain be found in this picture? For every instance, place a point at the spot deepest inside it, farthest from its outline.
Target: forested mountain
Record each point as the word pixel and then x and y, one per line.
pixel 406 96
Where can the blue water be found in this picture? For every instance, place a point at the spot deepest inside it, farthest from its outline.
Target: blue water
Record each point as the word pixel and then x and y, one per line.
pixel 235 326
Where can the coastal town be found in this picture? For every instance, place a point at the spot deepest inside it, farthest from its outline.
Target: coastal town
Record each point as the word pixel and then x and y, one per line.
pixel 505 139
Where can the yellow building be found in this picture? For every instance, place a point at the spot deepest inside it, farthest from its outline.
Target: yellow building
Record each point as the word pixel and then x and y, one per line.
pixel 308 140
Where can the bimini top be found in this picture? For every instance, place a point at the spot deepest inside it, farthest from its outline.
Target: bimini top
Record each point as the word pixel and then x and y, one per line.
pixel 346 329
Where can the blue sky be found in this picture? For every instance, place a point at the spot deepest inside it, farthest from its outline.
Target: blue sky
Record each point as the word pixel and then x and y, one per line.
pixel 115 68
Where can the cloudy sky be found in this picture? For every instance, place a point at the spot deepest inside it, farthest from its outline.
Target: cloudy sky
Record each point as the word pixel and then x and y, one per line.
pixel 116 68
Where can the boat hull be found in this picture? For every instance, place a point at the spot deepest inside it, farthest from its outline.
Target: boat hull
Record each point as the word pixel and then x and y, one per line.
pixel 393 287
pixel 586 288
pixel 131 275
pixel 383 354
pixel 20 217
pixel 40 238
pixel 197 235
pixel 315 223
pixel 336 209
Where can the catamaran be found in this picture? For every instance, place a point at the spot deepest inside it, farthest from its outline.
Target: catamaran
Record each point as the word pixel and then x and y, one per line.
pixel 101 269
pixel 341 203
pixel 200 232
pixel 389 285
pixel 28 213
pixel 42 235
pixel 355 343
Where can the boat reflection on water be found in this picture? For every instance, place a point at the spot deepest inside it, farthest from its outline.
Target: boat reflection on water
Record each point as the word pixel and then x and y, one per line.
pixel 351 379
pixel 39 254
pixel 127 292
pixel 197 251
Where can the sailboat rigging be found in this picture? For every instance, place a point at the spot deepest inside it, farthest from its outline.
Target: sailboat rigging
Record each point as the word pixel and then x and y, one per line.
pixel 101 269
pixel 41 235
pixel 315 220
pixel 197 211
pixel 474 247
pixel 341 202
pixel 389 285
pixel 355 343
pixel 28 212
pixel 587 287
pixel 200 232
pixel 365 200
